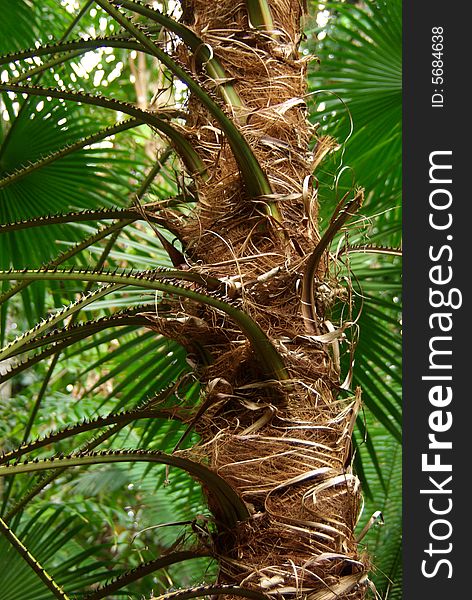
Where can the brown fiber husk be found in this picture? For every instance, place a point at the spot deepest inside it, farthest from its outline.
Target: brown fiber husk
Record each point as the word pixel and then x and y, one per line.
pixel 284 446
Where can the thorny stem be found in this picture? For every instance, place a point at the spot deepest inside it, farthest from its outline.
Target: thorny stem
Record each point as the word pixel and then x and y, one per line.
pixel 106 251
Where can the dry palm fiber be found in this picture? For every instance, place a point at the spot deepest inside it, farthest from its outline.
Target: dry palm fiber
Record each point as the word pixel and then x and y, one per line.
pixel 284 446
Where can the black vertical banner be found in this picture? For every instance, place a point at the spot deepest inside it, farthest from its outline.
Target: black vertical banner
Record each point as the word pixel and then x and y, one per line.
pixel 437 202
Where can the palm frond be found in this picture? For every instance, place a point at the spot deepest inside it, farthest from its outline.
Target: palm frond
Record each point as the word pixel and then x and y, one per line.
pixel 43 535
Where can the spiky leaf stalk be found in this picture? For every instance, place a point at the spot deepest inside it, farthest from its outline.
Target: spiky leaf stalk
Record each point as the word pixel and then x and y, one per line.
pixel 270 359
pixel 233 509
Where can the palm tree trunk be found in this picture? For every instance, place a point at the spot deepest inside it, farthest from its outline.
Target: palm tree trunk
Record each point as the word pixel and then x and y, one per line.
pixel 285 445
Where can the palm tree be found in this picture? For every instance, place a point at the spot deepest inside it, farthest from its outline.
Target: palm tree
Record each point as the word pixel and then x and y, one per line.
pixel 250 291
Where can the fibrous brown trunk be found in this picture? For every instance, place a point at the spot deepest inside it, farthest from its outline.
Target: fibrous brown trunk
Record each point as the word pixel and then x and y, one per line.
pixel 284 446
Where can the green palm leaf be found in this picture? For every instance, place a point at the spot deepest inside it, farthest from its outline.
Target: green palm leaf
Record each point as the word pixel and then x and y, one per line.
pixel 45 534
